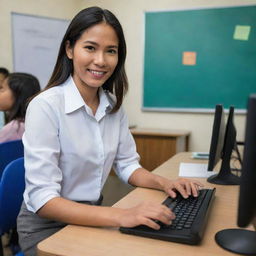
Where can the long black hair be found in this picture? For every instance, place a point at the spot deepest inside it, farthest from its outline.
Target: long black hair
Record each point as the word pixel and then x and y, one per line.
pixel 4 71
pixel 117 83
pixel 23 87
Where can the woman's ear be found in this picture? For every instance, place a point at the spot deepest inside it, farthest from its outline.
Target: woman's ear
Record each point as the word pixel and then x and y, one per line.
pixel 69 50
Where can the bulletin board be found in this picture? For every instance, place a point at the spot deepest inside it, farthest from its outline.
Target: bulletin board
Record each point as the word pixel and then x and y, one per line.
pixel 195 59
pixel 36 41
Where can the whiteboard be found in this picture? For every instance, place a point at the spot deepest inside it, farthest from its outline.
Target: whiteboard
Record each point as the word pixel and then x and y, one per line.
pixel 36 41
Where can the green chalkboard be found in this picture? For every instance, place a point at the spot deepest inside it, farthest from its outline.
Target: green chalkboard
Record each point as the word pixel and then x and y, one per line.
pixel 225 65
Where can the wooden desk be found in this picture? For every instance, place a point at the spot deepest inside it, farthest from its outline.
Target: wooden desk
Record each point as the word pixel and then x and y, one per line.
pixel 81 241
pixel 155 146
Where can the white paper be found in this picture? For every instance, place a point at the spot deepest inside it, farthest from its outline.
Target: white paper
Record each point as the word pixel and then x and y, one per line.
pixel 194 170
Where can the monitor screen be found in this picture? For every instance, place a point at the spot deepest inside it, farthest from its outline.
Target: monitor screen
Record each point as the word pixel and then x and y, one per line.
pixel 224 176
pixel 239 240
pixel 217 140
pixel 247 197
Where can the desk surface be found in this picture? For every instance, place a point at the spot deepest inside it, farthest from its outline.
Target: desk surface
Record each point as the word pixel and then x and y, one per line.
pixel 159 132
pixel 77 240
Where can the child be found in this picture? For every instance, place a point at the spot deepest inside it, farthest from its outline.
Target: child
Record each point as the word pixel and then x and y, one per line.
pixel 76 130
pixel 15 91
pixel 3 74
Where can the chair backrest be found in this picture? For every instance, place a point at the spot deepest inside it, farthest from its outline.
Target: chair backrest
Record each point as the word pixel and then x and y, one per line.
pixel 12 186
pixel 10 151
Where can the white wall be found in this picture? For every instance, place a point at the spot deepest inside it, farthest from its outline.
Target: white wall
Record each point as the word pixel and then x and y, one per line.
pixel 131 16
pixel 63 9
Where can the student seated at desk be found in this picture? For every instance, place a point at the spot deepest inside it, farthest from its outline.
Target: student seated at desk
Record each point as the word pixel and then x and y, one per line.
pixel 4 72
pixel 15 91
pixel 76 130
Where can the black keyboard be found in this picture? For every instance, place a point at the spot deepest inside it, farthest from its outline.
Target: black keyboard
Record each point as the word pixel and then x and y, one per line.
pixel 188 226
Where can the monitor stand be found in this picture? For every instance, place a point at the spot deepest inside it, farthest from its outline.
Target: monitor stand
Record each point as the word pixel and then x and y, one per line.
pixel 227 179
pixel 239 241
pixel 225 176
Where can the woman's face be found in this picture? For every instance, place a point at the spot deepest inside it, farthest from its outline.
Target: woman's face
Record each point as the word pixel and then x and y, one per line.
pixel 95 56
pixel 6 96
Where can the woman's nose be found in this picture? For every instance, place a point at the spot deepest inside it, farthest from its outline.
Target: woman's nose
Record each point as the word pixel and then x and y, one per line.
pixel 99 59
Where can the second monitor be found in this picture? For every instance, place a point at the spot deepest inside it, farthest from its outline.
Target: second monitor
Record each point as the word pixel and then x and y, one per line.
pixel 222 144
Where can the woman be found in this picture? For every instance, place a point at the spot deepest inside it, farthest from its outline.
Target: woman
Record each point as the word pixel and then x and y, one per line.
pixel 15 91
pixel 85 133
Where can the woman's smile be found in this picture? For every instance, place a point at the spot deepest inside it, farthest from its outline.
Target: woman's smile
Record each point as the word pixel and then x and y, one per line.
pixel 97 74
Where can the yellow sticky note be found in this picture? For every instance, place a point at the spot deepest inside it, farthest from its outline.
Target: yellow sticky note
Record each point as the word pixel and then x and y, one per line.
pixel 242 32
pixel 189 58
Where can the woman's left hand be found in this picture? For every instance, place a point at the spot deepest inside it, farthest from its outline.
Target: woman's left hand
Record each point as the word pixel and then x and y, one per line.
pixel 185 187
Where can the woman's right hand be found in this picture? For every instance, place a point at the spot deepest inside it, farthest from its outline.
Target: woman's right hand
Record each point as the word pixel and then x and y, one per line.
pixel 146 213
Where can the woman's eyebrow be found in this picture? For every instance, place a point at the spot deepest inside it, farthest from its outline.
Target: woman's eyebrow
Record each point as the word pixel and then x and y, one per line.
pixel 113 46
pixel 94 43
pixel 90 42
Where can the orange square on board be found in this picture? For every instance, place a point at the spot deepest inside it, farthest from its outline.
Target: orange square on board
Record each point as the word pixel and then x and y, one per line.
pixel 189 58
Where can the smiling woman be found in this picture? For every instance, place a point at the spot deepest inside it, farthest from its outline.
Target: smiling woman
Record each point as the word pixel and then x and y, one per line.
pixel 86 135
pixel 94 57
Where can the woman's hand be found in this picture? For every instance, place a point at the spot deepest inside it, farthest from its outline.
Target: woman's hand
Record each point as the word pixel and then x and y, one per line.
pixel 186 187
pixel 146 213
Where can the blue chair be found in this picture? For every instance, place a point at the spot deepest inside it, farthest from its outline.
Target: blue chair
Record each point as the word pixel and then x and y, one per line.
pixel 12 186
pixel 10 151
pixel 19 254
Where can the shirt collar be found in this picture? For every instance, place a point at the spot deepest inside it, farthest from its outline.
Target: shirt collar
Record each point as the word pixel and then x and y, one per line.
pixel 105 104
pixel 74 100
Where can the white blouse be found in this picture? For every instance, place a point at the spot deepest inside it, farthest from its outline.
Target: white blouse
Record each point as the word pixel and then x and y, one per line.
pixel 69 152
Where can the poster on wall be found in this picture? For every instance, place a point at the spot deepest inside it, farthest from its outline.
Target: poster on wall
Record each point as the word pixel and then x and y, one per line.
pixel 36 42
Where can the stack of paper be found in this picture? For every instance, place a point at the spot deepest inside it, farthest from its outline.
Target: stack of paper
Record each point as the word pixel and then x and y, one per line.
pixel 194 170
pixel 200 155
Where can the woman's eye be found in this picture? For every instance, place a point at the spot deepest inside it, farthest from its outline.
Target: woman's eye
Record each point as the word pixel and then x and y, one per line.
pixel 112 51
pixel 90 48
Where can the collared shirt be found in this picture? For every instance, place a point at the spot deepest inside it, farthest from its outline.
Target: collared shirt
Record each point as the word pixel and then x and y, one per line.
pixel 12 131
pixel 69 151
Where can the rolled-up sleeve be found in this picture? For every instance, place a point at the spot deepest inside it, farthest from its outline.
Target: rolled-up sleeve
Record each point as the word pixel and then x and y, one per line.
pixel 127 158
pixel 42 150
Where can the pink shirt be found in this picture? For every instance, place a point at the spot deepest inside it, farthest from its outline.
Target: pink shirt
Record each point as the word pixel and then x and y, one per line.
pixel 12 131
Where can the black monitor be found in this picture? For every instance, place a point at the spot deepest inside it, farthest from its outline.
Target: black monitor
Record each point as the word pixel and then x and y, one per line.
pixel 239 240
pixel 225 146
pixel 217 140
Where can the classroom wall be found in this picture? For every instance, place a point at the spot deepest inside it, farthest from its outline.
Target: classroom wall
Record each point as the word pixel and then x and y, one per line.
pixel 63 9
pixel 131 16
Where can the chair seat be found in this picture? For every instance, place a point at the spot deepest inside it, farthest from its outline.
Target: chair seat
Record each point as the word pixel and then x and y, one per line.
pixel 12 186
pixel 10 151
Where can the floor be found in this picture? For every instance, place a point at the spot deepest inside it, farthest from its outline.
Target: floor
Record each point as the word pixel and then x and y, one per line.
pixel 113 190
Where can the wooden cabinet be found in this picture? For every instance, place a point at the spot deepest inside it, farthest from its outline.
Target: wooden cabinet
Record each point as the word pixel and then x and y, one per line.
pixel 156 146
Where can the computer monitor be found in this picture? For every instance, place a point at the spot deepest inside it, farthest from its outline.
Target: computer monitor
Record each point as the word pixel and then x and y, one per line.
pixel 239 240
pixel 217 140
pixel 224 176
